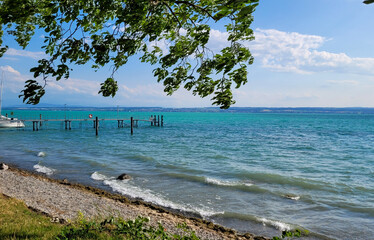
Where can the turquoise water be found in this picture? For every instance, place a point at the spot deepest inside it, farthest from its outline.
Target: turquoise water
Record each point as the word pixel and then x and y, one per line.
pixel 261 173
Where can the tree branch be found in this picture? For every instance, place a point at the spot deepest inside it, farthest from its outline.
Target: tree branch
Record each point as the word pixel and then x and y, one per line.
pixel 196 7
pixel 172 12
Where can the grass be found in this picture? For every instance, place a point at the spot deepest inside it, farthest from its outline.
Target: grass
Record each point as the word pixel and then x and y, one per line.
pixel 19 222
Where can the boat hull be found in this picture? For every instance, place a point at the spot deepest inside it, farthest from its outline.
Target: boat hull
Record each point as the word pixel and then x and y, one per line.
pixel 11 124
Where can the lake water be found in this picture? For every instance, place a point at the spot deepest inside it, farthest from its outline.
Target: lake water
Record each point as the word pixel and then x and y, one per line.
pixel 261 173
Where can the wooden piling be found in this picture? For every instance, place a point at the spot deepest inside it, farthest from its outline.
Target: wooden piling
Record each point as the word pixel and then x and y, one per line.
pixel 35 125
pixel 40 123
pixel 158 120
pixel 97 126
pixel 132 125
pixel 152 120
pixel 162 120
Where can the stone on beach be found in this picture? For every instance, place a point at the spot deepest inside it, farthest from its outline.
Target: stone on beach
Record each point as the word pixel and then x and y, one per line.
pixel 123 176
pixel 3 166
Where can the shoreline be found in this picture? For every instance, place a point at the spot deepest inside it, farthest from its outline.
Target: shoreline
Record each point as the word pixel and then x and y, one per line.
pixel 63 200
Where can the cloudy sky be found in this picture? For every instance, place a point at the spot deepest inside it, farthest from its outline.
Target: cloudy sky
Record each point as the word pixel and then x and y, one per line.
pixel 308 53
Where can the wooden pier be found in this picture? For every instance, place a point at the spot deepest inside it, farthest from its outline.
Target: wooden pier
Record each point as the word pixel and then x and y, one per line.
pixel 154 120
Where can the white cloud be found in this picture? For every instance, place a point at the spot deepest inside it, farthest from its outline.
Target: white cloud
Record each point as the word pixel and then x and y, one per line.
pixel 13 79
pixel 9 70
pixel 296 52
pixel 73 85
pixel 344 82
pixel 24 53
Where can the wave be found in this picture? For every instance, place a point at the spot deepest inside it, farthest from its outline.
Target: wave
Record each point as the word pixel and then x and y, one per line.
pixel 44 169
pixel 291 196
pixel 209 180
pixel 98 176
pixel 234 184
pixel 129 189
pixel 272 178
pixel 276 224
pixel 41 154
pixel 227 183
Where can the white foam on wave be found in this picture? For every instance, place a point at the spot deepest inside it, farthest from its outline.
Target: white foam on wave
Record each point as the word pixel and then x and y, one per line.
pixel 277 224
pixel 293 197
pixel 126 187
pixel 44 169
pixel 97 176
pixel 227 183
pixel 41 154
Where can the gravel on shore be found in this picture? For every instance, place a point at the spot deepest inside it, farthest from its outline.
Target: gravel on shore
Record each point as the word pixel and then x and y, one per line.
pixel 63 200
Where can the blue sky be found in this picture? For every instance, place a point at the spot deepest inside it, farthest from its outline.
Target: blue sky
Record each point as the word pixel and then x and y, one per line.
pixel 308 53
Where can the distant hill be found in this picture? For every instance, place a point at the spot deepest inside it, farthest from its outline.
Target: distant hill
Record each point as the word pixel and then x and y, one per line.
pixel 356 110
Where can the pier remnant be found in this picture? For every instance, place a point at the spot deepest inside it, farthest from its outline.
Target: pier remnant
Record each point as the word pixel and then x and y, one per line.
pixel 97 125
pixel 132 125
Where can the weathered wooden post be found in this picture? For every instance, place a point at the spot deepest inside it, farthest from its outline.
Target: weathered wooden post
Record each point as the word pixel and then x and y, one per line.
pixel 132 125
pixel 35 125
pixel 66 125
pixel 40 120
pixel 152 120
pixel 162 120
pixel 158 120
pixel 97 126
pixel 69 125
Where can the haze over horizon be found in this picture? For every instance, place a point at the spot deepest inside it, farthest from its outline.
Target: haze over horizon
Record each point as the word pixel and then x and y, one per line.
pixel 310 53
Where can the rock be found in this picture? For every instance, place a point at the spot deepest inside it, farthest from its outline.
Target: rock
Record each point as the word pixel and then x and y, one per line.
pixel 123 176
pixel 3 166
pixel 55 220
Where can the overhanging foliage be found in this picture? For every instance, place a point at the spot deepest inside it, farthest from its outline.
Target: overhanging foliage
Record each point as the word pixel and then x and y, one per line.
pixel 102 32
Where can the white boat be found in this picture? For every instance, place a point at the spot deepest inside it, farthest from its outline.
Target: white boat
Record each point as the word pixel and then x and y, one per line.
pixel 6 122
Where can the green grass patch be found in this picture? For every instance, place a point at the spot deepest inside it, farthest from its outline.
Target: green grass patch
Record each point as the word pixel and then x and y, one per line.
pixel 19 222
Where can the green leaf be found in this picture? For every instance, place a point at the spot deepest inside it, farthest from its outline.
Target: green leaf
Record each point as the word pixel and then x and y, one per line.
pixel 109 87
pixel 110 32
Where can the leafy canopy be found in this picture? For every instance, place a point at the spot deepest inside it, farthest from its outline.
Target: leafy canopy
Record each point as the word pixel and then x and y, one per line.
pixel 102 32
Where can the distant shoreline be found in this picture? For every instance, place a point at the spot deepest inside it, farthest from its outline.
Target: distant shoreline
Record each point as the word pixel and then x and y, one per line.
pixel 61 199
pixel 315 110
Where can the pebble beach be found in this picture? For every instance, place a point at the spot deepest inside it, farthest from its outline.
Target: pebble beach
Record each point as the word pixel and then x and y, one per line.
pixel 62 201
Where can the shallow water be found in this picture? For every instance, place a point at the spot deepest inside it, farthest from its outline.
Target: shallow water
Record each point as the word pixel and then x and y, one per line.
pixel 261 173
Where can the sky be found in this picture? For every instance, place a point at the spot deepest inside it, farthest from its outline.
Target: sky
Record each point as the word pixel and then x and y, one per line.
pixel 308 53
